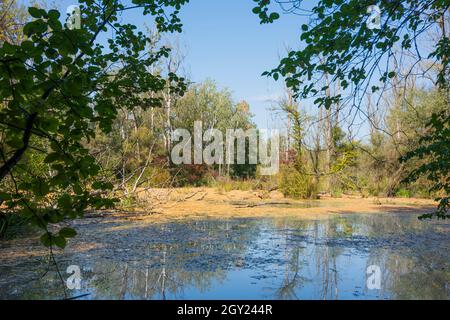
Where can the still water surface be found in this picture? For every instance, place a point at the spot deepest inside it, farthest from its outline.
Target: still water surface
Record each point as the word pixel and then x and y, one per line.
pixel 263 258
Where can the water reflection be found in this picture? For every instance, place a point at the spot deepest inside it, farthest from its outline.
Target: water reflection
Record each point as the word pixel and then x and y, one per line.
pixel 283 258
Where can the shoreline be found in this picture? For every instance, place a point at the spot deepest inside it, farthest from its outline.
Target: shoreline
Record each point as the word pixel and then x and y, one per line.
pixel 198 203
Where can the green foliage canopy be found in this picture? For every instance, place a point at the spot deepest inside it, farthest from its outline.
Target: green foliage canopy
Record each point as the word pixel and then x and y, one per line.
pixel 338 42
pixel 56 87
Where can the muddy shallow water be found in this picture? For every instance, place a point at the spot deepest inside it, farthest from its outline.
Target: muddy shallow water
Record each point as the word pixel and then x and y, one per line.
pixel 240 258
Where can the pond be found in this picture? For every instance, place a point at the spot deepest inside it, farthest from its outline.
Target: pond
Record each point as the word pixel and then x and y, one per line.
pixel 346 256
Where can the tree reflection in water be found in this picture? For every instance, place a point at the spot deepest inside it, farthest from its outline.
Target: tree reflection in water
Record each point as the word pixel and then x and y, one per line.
pixel 276 258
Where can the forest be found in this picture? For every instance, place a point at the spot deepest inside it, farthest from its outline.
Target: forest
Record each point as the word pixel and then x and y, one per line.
pixel 87 120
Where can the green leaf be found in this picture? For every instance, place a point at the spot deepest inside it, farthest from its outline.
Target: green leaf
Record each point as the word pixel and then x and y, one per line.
pixel 274 16
pixel 36 12
pixel 52 157
pixel 54 14
pixel 15 143
pixel 59 241
pixel 65 202
pixel 4 196
pixel 67 232
pixel 77 189
pixel 40 187
pixel 97 185
pixel 46 239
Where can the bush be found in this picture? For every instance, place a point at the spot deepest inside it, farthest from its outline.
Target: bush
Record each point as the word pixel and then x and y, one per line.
pixel 295 184
pixel 196 175
pixel 403 193
pixel 158 177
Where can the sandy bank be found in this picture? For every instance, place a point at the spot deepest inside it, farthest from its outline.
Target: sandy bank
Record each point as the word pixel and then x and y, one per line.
pixel 168 204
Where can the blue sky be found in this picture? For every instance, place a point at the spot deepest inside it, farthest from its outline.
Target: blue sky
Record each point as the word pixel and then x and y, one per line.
pixel 224 41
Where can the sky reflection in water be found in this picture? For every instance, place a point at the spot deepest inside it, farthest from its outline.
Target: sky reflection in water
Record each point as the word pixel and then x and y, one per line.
pixel 282 258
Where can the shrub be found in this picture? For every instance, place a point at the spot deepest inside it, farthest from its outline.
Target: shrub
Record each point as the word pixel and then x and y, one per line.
pixel 158 177
pixel 403 193
pixel 295 184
